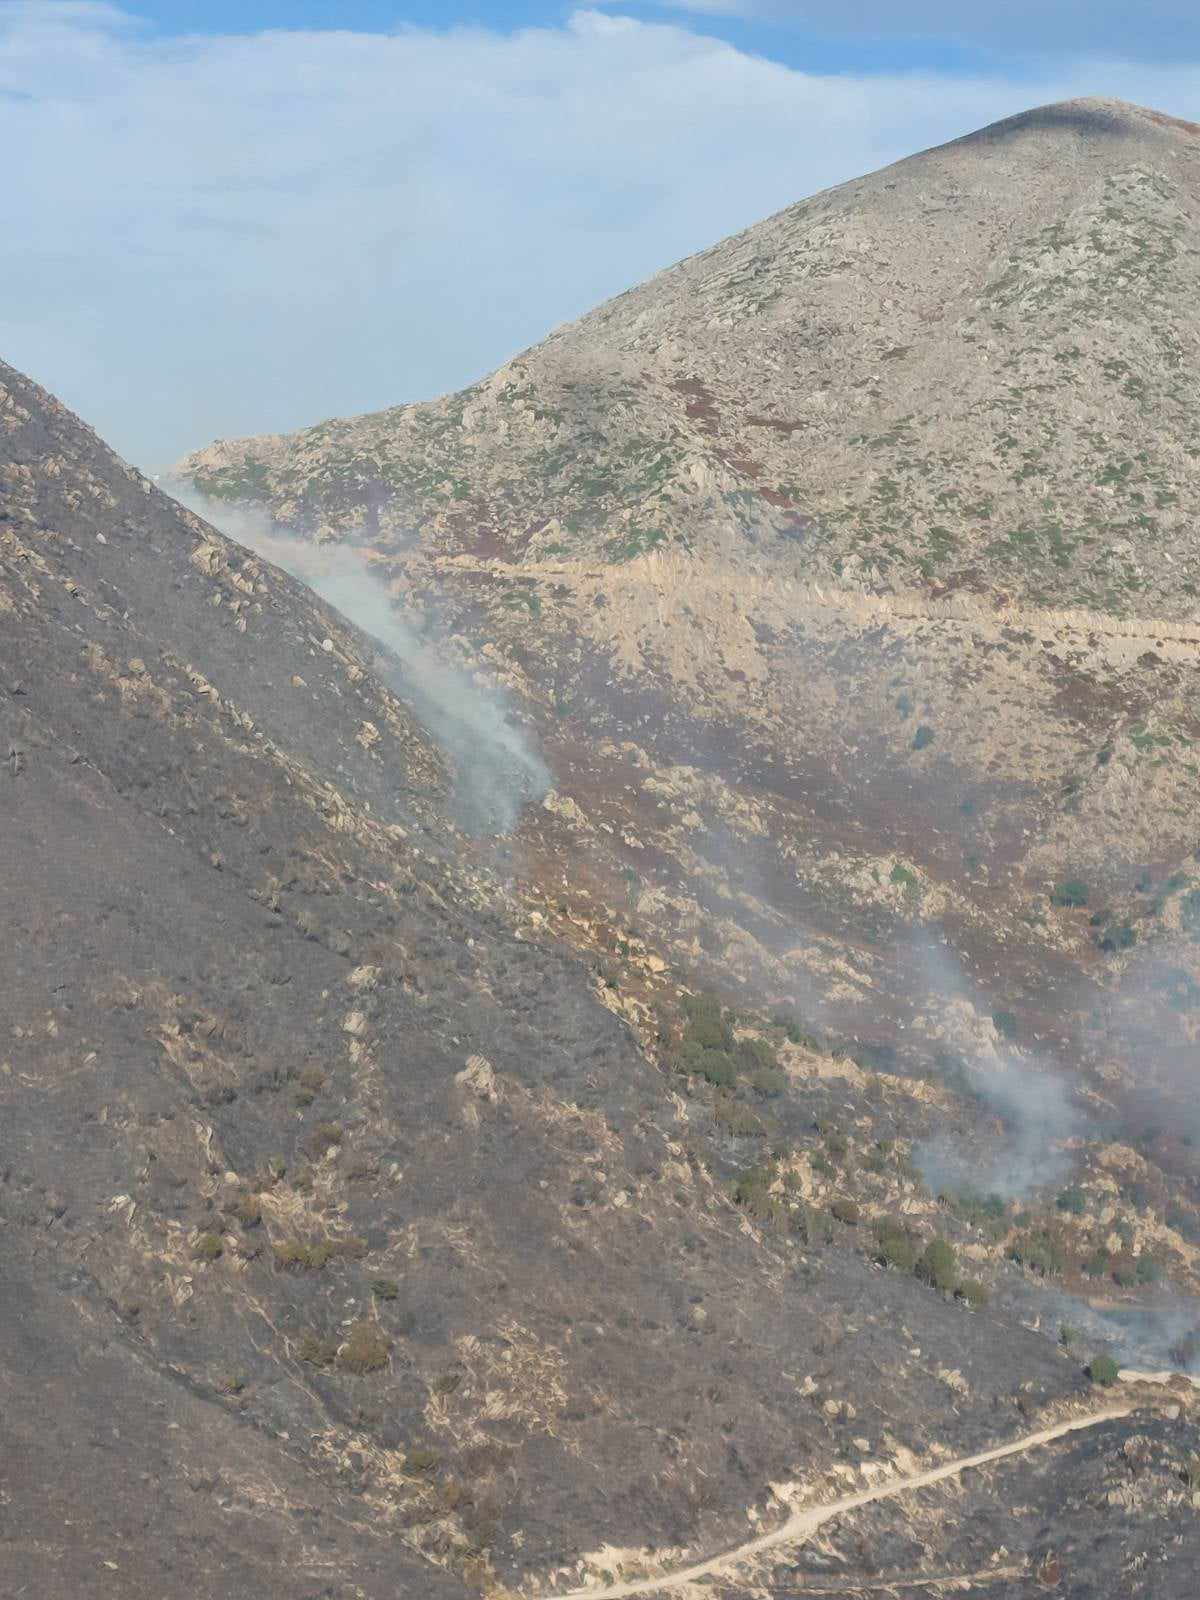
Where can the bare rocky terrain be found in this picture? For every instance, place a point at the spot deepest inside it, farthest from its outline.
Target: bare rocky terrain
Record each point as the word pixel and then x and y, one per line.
pixel 797 1096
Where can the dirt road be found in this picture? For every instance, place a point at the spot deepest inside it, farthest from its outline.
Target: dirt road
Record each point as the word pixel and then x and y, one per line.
pixel 802 1524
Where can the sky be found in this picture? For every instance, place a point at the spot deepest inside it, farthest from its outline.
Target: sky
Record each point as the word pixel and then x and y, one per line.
pixel 226 217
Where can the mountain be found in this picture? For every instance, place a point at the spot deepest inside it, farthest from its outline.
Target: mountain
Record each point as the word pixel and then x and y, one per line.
pixel 847 572
pixel 418 1180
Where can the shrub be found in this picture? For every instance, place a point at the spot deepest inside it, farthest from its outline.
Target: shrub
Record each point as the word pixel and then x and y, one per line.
pixel 420 1460
pixel 385 1288
pixel 1072 1200
pixel 752 1191
pixel 1148 1270
pixel 768 1082
pixel 366 1348
pixel 895 1245
pixel 924 736
pixel 1070 894
pixel 755 1054
pixel 837 1145
pixel 794 1029
pixel 1097 1264
pixel 736 1119
pixel 209 1247
pixel 303 1255
pixel 975 1294
pixel 938 1265
pixel 325 1136
pixel 317 1352
pixel 1068 1335
pixel 1103 1370
pixel 1039 1253
pixel 846 1211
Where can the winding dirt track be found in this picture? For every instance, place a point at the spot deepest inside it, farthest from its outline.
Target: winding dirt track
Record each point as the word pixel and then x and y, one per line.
pixel 802 1524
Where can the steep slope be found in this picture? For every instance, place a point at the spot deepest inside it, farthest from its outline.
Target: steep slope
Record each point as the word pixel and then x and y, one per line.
pixel 351 1244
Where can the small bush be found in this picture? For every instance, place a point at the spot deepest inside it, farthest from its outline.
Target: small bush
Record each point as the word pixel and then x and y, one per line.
pixel 325 1136
pixel 385 1288
pixel 317 1352
pixel 209 1247
pixel 366 1349
pixel 420 1460
pixel 923 737
pixel 846 1211
pixel 1148 1270
pixel 837 1145
pixel 736 1119
pixel 752 1191
pixel 794 1029
pixel 303 1255
pixel 1068 1335
pixel 1097 1264
pixel 1072 1200
pixel 1070 895
pixel 1103 1370
pixel 938 1266
pixel 895 1245
pixel 768 1082
pixel 974 1293
pixel 1039 1253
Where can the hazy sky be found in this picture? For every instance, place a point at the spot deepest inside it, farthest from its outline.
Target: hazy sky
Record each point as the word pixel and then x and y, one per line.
pixel 234 216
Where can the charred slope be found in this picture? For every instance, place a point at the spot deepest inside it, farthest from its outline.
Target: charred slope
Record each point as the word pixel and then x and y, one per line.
pixel 330 1196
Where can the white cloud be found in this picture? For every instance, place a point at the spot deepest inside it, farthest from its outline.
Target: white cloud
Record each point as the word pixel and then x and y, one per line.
pixel 230 234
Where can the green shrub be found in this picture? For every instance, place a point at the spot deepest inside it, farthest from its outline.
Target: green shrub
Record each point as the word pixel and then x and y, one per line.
pixel 752 1191
pixel 938 1265
pixel 895 1244
pixel 385 1288
pixel 1103 1370
pixel 794 1029
pixel 420 1460
pixel 837 1145
pixel 1068 1335
pixel 1039 1253
pixel 846 1211
pixel 1070 894
pixel 736 1119
pixel 923 737
pixel 753 1055
pixel 1148 1270
pixel 208 1247
pixel 768 1082
pixel 317 1352
pixel 1072 1200
pixel 975 1294
pixel 1098 1263
pixel 366 1348
pixel 325 1136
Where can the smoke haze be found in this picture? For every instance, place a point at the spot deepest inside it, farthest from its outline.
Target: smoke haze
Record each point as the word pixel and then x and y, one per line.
pixel 496 767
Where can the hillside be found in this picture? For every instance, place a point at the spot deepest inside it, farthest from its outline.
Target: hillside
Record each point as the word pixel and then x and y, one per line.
pixel 846 571
pixel 417 1181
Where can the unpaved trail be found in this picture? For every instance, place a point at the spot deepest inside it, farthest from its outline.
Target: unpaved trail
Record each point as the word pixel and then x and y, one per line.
pixel 802 1524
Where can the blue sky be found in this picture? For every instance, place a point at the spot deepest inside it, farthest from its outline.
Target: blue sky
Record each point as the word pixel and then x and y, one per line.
pixel 218 229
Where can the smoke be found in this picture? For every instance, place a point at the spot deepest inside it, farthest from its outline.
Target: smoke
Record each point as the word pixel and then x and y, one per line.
pixel 496 768
pixel 1030 1100
pixel 1157 1335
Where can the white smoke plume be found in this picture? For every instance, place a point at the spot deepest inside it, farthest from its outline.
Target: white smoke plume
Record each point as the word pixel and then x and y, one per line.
pixel 1028 1098
pixel 496 766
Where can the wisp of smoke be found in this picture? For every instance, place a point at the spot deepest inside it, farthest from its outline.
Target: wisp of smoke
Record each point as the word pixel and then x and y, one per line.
pixel 496 768
pixel 1031 1102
